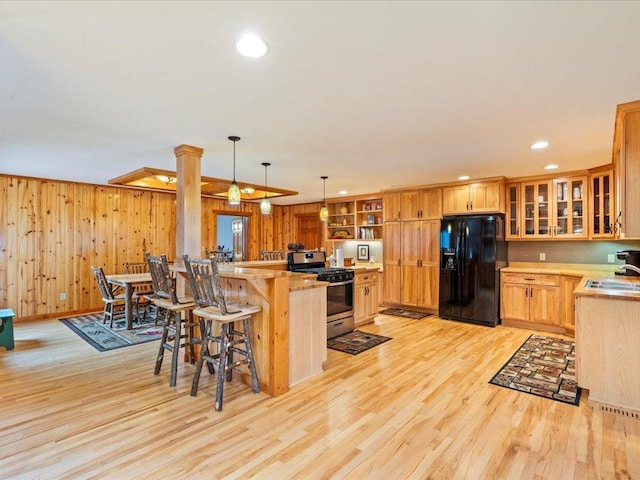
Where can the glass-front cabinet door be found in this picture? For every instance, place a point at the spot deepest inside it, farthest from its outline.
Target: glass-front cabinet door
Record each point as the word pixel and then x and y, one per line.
pixel 536 210
pixel 570 207
pixel 602 201
pixel 513 211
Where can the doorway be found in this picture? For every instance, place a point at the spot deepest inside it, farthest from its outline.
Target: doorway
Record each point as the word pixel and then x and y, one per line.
pixel 232 235
pixel 309 230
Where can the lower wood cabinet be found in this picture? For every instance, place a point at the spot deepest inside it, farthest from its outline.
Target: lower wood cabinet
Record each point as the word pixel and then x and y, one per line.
pixel 531 301
pixel 567 286
pixel 392 291
pixel 607 346
pixel 420 262
pixel 365 297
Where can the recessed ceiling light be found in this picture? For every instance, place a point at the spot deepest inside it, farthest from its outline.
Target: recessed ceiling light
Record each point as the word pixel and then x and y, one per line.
pixel 539 145
pixel 343 192
pixel 551 166
pixel 464 177
pixel 251 45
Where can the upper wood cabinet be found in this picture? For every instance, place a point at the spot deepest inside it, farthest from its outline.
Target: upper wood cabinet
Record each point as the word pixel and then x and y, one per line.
pixel 421 204
pixel 602 203
pixel 512 219
pixel 570 207
pixel 392 204
pixel 482 197
pixel 626 160
pixel 547 208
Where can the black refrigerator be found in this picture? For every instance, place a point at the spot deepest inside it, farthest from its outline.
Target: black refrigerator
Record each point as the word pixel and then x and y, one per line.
pixel 472 251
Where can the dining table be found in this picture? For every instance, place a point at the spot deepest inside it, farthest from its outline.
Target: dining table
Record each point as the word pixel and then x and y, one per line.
pixel 129 281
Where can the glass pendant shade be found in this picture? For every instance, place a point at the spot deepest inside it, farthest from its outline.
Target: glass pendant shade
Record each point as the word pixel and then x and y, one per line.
pixel 324 212
pixel 265 206
pixel 234 194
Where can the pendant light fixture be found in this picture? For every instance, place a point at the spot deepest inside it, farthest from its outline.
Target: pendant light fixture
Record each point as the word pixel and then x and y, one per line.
pixel 324 212
pixel 234 190
pixel 265 204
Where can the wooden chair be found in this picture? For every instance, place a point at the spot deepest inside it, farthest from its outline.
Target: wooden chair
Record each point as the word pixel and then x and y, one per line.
pixel 113 304
pixel 271 254
pixel 179 315
pixel 212 309
pixel 221 256
pixel 142 293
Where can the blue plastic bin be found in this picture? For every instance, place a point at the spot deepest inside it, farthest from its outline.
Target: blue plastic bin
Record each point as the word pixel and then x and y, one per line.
pixel 6 328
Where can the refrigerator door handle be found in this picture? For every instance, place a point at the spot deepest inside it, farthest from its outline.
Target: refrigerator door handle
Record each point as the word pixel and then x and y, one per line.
pixel 462 252
pixel 458 247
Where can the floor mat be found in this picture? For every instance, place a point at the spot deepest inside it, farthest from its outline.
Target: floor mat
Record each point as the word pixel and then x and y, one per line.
pixel 403 312
pixel 91 329
pixel 356 342
pixel 543 366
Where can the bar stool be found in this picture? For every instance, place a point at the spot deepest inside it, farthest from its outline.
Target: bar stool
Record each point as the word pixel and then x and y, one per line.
pixel 178 314
pixel 212 309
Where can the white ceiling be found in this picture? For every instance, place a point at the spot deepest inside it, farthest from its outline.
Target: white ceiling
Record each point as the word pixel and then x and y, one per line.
pixel 373 94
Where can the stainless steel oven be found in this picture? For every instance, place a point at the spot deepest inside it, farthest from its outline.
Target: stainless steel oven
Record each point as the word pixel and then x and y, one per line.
pixel 339 308
pixel 339 292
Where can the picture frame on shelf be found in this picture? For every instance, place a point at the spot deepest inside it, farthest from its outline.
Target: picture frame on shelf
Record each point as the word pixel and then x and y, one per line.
pixel 363 252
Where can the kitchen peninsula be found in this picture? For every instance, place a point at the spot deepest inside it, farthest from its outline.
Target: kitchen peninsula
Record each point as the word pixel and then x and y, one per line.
pixel 289 334
pixel 608 340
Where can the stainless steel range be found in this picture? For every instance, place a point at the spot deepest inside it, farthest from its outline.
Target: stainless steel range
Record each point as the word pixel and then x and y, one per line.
pixel 339 291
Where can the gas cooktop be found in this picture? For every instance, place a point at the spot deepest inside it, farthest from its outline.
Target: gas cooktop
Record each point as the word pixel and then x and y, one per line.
pixel 332 275
pixel 313 262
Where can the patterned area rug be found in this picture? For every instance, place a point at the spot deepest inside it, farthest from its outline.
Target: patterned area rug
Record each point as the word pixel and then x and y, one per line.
pixel 543 366
pixel 103 338
pixel 356 342
pixel 401 312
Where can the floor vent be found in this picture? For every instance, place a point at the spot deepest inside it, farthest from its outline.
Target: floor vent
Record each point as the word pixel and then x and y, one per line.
pixel 620 411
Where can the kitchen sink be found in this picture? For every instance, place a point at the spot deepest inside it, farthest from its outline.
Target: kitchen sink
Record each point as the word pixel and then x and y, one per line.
pixel 613 285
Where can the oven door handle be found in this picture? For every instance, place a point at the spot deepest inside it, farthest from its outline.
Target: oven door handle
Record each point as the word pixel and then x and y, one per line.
pixel 337 284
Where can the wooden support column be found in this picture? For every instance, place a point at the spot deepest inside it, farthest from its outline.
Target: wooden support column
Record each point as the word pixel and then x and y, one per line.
pixel 188 204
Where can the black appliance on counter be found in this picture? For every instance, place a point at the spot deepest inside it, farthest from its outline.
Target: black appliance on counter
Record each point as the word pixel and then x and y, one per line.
pixel 472 251
pixel 631 262
pixel 339 292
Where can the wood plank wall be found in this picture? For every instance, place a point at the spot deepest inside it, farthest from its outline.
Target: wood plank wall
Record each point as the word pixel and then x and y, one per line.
pixel 51 232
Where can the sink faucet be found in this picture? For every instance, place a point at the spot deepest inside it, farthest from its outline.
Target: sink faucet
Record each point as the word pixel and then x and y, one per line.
pixel 627 266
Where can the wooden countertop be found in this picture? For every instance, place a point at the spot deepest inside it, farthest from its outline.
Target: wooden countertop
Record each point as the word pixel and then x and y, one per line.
pixel 261 263
pixel 571 269
pixel 362 269
pixel 582 291
pixel 304 281
pixel 587 272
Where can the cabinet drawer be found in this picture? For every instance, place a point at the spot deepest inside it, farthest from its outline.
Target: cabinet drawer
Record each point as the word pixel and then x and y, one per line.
pixel 532 278
pixel 361 278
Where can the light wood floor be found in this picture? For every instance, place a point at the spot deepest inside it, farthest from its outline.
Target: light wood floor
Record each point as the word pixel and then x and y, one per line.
pixel 416 407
